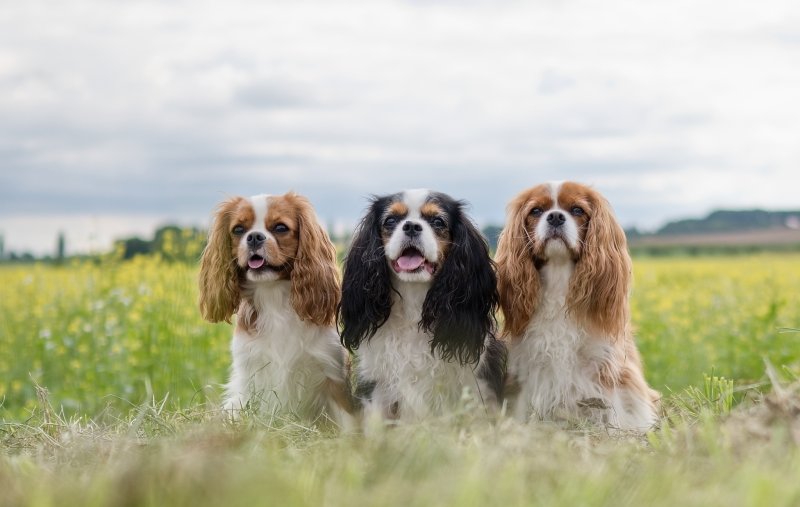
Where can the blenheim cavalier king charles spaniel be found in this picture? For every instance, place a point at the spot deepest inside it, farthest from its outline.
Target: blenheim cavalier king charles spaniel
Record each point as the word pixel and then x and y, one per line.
pixel 270 262
pixel 563 277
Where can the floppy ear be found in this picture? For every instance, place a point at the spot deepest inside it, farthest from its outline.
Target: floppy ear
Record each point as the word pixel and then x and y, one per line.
pixel 315 278
pixel 598 292
pixel 219 274
pixel 517 277
pixel 459 307
pixel 366 287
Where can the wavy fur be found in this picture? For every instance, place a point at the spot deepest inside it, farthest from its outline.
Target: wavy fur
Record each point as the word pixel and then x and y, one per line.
pixel 366 287
pixel 598 293
pixel 314 277
pixel 518 283
pixel 459 307
pixel 219 280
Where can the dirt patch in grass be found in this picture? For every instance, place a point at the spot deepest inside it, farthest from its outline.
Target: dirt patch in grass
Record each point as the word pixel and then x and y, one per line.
pixel 774 420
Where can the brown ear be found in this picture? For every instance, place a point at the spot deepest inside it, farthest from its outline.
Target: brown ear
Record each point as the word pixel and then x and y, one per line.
pixel 599 286
pixel 219 277
pixel 315 277
pixel 517 277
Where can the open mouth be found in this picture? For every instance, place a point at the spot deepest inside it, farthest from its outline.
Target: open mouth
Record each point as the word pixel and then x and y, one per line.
pixel 259 263
pixel 412 261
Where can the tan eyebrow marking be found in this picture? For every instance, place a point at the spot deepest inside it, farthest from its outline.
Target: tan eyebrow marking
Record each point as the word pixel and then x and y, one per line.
pixel 431 209
pixel 398 208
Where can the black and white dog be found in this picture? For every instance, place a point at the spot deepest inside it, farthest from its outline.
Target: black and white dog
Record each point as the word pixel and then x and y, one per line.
pixel 418 301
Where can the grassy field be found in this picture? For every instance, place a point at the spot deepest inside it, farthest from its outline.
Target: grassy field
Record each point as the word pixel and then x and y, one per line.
pixel 109 381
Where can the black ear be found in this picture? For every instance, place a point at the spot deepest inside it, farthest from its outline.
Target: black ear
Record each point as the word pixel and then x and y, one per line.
pixel 366 288
pixel 459 307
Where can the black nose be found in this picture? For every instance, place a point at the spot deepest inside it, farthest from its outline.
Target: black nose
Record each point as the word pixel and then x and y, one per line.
pixel 255 239
pixel 556 219
pixel 412 229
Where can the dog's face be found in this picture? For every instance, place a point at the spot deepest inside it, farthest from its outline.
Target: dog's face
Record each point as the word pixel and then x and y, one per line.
pixel 557 218
pixel 420 236
pixel 264 239
pixel 264 236
pixel 564 222
pixel 416 235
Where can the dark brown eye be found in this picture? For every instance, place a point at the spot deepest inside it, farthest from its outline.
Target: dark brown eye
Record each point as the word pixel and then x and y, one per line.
pixel 537 212
pixel 577 211
pixel 390 222
pixel 238 230
pixel 439 223
pixel 280 228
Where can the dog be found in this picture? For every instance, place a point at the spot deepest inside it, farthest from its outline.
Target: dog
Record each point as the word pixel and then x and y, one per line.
pixel 563 279
pixel 418 300
pixel 270 262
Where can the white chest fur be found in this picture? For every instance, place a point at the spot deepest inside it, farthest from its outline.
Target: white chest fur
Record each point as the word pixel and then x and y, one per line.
pixel 556 362
pixel 410 381
pixel 283 363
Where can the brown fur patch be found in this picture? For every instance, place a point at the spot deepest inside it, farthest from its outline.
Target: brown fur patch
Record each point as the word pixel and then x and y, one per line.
pixel 444 243
pixel 219 278
pixel 598 291
pixel 314 274
pixel 283 251
pixel 398 208
pixel 517 278
pixel 247 317
pixel 430 209
pixel 243 215
pixel 339 393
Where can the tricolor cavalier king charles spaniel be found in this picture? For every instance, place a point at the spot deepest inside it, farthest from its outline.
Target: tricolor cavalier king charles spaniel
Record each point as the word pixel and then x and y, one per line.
pixel 270 262
pixel 563 277
pixel 418 301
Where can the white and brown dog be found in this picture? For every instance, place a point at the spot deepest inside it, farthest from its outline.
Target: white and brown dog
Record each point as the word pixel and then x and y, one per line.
pixel 563 278
pixel 270 262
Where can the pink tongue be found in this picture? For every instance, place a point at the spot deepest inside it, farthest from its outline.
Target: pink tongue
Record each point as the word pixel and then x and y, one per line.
pixel 410 262
pixel 255 263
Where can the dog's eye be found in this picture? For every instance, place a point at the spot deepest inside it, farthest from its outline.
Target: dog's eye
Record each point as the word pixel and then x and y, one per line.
pixel 577 211
pixel 537 212
pixel 280 228
pixel 438 223
pixel 238 230
pixel 390 222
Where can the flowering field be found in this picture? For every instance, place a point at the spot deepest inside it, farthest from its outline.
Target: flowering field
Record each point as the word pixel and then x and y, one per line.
pixel 132 376
pixel 116 334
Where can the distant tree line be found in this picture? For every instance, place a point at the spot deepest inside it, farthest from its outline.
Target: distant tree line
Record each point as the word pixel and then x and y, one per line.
pixel 185 244
pixel 171 242
pixel 26 257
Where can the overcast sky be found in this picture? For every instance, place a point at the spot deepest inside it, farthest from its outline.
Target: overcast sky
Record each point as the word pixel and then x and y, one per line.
pixel 118 116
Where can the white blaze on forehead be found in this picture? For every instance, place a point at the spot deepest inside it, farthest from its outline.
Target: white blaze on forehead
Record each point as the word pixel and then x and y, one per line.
pixel 415 199
pixel 555 188
pixel 260 204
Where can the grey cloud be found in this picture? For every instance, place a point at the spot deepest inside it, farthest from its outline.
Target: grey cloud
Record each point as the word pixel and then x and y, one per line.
pixel 275 96
pixel 271 95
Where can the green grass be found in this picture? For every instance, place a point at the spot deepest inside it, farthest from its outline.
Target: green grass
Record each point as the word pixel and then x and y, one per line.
pixel 129 374
pixel 157 457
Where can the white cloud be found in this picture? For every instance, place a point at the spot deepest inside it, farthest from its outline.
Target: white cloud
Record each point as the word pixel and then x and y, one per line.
pixel 158 108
